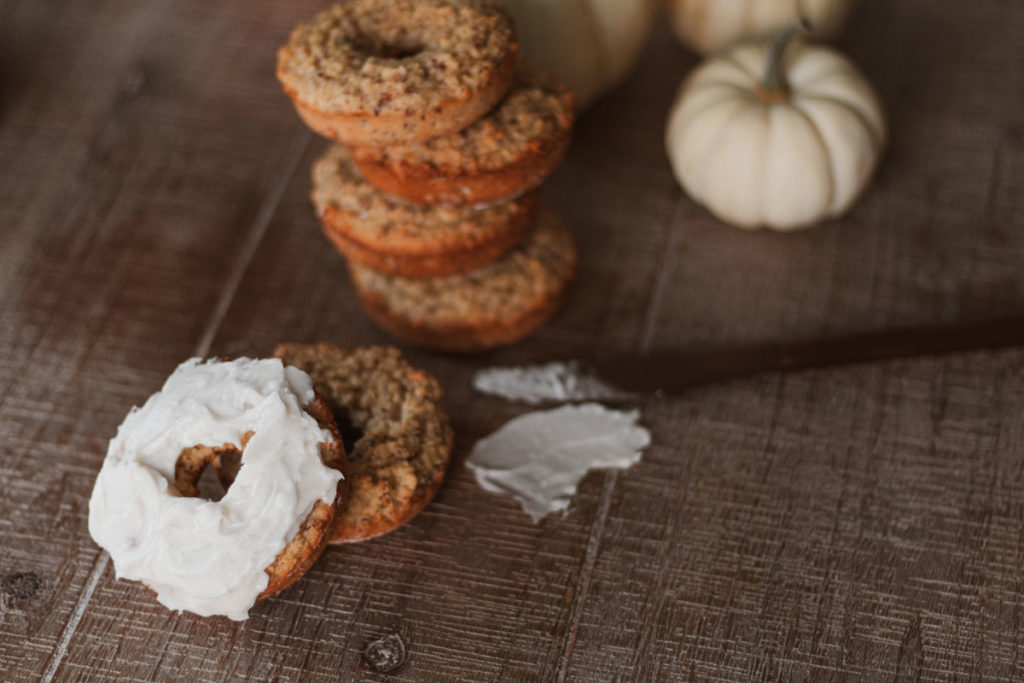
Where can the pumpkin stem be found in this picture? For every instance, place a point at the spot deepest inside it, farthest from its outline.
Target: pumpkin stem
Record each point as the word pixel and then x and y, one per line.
pixel 774 87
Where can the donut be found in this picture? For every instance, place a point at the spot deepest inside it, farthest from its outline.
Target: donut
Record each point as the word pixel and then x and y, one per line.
pixel 509 151
pixel 380 72
pixel 400 239
pixel 398 461
pixel 492 306
pixel 220 557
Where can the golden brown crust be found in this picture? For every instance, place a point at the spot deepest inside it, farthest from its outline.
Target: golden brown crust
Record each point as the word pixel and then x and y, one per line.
pixel 421 185
pixel 318 527
pixel 398 462
pixel 380 507
pixel 449 261
pixel 395 56
pixel 508 152
pixel 380 72
pixel 396 238
pixel 315 530
pixel 378 130
pixel 302 551
pixel 468 337
pixel 491 306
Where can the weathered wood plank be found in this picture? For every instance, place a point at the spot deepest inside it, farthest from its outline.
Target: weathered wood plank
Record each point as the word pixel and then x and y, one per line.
pixel 857 522
pixel 792 528
pixel 134 171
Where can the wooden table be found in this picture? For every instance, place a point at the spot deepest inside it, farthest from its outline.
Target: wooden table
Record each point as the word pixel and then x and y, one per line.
pixel 865 522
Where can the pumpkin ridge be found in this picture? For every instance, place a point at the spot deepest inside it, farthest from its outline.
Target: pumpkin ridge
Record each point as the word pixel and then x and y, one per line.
pixel 857 100
pixel 769 128
pixel 730 58
pixel 829 74
pixel 841 67
pixel 724 124
pixel 741 74
pixel 877 137
pixel 696 113
pixel 829 157
pixel 853 164
pixel 766 152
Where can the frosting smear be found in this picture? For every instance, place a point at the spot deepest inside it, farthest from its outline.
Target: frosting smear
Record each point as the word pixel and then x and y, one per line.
pixel 536 384
pixel 540 457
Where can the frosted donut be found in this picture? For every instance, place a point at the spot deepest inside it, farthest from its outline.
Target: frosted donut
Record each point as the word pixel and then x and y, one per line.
pixel 379 72
pixel 219 557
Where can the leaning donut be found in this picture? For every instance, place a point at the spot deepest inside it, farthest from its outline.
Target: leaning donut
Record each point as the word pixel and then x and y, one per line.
pixel 506 153
pixel 404 240
pixel 398 462
pixel 219 557
pixel 379 72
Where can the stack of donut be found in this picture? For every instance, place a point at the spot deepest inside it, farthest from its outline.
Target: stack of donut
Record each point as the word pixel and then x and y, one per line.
pixel 430 187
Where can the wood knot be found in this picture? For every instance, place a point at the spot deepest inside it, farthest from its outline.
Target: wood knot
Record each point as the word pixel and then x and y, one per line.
pixel 385 654
pixel 21 587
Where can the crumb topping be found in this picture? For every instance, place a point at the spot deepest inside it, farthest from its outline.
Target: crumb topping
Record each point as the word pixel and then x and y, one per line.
pixel 395 56
pixel 374 217
pixel 395 406
pixel 536 115
pixel 534 271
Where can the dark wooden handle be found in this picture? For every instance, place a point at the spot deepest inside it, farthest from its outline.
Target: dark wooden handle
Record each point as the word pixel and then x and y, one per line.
pixel 679 369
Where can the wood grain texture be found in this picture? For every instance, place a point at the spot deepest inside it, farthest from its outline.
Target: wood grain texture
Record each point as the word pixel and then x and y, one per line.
pixel 130 183
pixel 858 523
pixel 799 527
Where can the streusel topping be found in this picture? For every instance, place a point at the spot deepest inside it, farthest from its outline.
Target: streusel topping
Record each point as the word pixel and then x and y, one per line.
pixel 534 271
pixel 395 56
pixel 536 115
pixel 374 216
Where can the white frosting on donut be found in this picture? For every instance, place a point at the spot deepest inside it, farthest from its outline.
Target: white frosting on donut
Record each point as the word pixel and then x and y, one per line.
pixel 198 555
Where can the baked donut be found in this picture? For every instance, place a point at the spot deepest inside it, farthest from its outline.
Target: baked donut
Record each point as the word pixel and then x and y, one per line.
pixel 380 72
pixel 495 305
pixel 219 557
pixel 504 154
pixel 405 440
pixel 396 238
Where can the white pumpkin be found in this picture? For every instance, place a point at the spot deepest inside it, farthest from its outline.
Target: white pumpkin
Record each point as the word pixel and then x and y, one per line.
pixel 707 26
pixel 590 44
pixel 769 137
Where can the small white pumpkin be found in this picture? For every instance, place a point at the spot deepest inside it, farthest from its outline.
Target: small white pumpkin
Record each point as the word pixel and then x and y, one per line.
pixel 590 44
pixel 707 26
pixel 769 137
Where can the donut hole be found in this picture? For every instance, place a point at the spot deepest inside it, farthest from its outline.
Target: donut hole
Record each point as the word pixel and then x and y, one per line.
pixel 350 433
pixel 193 476
pixel 404 47
pixel 383 35
pixel 226 466
pixel 209 486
